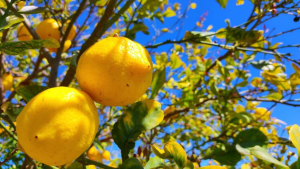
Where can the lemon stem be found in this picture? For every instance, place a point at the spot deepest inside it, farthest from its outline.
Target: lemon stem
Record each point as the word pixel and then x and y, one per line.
pixel 91 162
pixel 9 132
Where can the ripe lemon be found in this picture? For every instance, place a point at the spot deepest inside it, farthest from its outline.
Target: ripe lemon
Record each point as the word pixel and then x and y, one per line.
pixel 21 4
pixel 94 154
pixel 115 71
pixel 57 125
pixel 67 45
pixel 48 28
pixel 23 33
pixel 7 81
pixel 106 155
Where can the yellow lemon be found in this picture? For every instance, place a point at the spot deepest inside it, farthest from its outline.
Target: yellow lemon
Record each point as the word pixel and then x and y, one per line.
pixel 67 45
pixel 115 71
pixel 72 33
pixel 7 81
pixel 57 125
pixel 106 155
pixel 23 33
pixel 48 28
pixel 21 4
pixel 94 154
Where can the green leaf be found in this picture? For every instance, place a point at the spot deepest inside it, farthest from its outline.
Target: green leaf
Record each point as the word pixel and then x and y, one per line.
pixel 74 59
pixel 241 118
pixel 296 164
pixel 139 118
pixel 243 84
pixel 172 150
pixel 274 96
pixel 11 110
pixel 250 138
pixel 176 62
pixel 223 3
pixel 242 150
pixel 11 21
pixel 169 13
pixel 132 163
pixel 294 133
pixel 33 10
pixel 155 162
pixel 139 27
pixel 296 68
pixel 29 91
pixel 262 154
pixel 15 48
pixel 261 64
pixel 199 36
pixel 158 80
pixel 230 157
pixel 242 35
pixel 189 165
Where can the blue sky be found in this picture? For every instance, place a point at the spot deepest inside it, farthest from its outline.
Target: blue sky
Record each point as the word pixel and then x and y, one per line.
pixel 237 15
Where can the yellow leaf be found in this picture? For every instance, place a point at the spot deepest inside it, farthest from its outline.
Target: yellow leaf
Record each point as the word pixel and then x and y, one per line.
pixel 172 150
pixel 256 82
pixel 169 12
pixel 275 45
pixel 193 5
pixel 262 113
pixel 294 133
pixel 296 68
pixel 221 33
pixel 240 2
pixel 209 28
pixel 239 109
pixel 165 30
pixel 2 4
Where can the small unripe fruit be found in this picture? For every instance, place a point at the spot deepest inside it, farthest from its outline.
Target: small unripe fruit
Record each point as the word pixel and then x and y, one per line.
pixel 274 11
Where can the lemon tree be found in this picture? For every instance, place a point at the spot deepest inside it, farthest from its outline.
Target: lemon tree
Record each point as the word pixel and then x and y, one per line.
pixel 143 84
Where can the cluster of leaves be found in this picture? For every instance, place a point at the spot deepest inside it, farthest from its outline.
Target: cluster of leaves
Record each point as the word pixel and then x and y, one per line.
pixel 213 109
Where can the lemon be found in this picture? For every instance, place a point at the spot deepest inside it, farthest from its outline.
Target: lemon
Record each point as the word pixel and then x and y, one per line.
pixel 57 125
pixel 23 33
pixel 115 71
pixel 106 155
pixel 94 154
pixel 21 4
pixel 72 33
pixel 48 28
pixel 67 45
pixel 7 81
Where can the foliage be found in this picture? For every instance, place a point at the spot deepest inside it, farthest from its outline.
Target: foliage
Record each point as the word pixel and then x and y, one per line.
pixel 213 85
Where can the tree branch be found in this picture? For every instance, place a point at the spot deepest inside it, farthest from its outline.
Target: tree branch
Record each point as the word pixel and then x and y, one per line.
pixel 55 65
pixel 97 33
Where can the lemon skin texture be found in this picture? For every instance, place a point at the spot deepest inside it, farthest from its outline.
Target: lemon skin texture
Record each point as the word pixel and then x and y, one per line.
pixel 7 81
pixel 115 71
pixel 48 28
pixel 23 33
pixel 57 125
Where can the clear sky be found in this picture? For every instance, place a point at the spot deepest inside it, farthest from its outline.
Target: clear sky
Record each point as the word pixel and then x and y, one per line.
pixel 216 17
